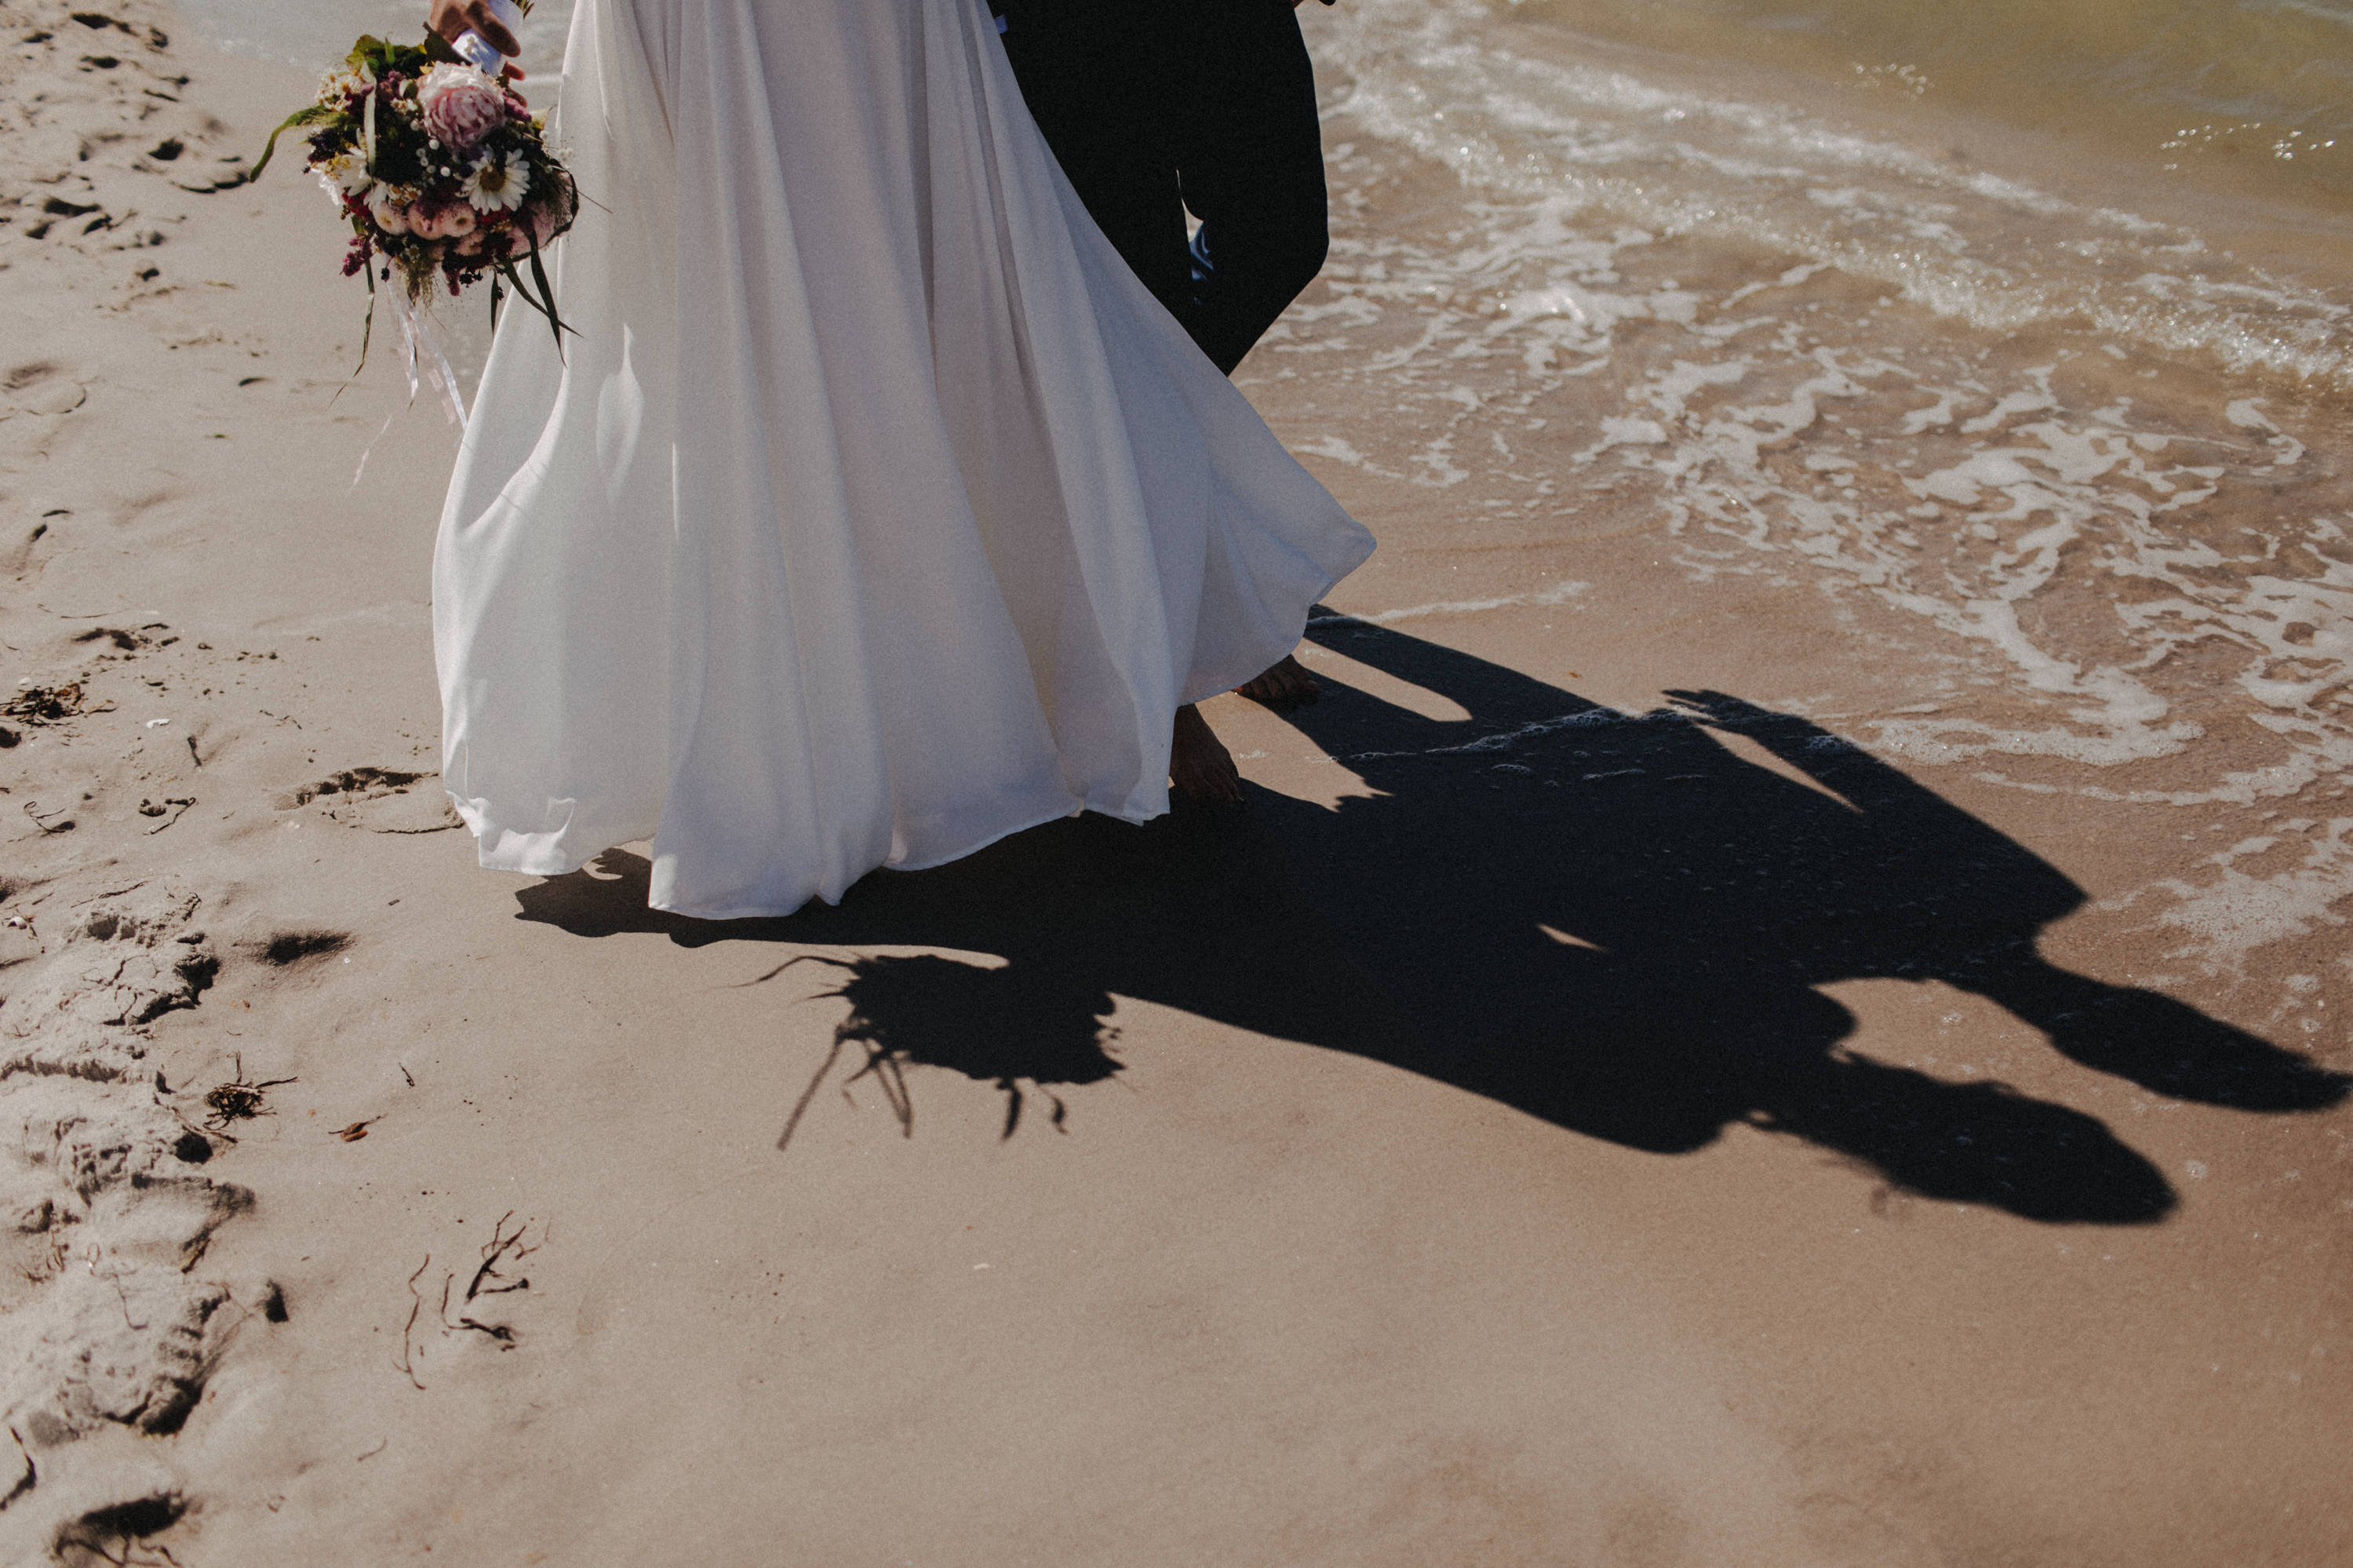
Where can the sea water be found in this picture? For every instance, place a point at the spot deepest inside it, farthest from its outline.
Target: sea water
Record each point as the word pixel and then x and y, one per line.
pixel 2028 321
pixel 319 33
pixel 2032 324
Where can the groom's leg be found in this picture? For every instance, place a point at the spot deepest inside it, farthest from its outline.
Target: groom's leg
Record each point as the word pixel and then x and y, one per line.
pixel 1249 153
pixel 1152 108
pixel 1127 96
pixel 1249 147
pixel 1095 82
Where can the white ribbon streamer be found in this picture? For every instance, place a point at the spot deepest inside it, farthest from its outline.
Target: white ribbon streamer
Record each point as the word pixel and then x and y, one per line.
pixel 370 450
pixel 416 328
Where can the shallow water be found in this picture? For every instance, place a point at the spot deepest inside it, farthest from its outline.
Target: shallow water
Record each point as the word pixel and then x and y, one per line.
pixel 319 32
pixel 1910 303
pixel 2060 418
pixel 2251 90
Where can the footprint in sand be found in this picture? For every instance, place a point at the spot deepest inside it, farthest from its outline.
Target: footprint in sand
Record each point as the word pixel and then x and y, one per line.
pixel 44 388
pixel 378 799
pixel 105 1216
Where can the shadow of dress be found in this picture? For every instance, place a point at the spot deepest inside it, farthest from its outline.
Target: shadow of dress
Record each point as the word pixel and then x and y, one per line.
pixel 1605 919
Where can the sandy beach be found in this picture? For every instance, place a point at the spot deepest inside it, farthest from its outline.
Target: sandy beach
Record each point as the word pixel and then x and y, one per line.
pixel 1699 1050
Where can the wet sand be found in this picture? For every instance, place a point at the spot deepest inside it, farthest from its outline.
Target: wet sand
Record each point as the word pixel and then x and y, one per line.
pixel 1556 1122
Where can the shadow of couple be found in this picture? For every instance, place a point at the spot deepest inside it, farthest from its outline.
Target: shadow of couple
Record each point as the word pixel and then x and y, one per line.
pixel 1614 921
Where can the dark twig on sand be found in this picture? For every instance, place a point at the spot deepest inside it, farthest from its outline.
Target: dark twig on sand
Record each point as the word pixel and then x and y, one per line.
pixel 183 802
pixel 406 1365
pixel 500 1249
pixel 48 704
pixel 30 1478
pixel 238 1100
pixel 33 811
pixel 499 1332
pixel 491 1280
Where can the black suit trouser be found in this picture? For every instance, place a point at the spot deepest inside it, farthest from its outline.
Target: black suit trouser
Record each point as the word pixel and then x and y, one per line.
pixel 1157 106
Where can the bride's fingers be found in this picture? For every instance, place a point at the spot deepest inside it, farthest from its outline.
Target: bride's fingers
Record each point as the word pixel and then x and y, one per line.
pixel 500 38
pixel 447 17
pixel 453 18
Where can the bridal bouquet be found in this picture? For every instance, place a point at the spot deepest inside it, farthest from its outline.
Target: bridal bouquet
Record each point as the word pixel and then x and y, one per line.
pixel 443 172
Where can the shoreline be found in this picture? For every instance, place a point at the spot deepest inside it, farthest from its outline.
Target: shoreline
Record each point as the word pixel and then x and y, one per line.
pixel 2130 134
pixel 1988 227
pixel 1521 1138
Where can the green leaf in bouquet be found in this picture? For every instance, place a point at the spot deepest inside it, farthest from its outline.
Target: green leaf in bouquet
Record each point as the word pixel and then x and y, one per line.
pixel 547 293
pixel 310 114
pixel 436 48
pixel 368 328
pixel 367 332
pixel 545 302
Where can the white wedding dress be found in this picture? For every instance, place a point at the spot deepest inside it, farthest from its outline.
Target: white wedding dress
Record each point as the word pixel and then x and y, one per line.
pixel 875 513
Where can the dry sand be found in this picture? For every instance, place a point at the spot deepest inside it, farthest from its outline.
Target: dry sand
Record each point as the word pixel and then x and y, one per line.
pixel 1620 1142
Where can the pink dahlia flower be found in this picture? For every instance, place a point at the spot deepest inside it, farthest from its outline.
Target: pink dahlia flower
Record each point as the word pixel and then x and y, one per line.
pixel 461 105
pixel 442 220
pixel 540 218
pixel 387 207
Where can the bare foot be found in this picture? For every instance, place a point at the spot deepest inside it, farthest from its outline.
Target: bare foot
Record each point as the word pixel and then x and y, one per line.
pixel 1283 684
pixel 1199 766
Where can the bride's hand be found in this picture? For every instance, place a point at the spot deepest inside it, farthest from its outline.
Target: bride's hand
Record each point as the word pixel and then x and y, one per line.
pixel 453 18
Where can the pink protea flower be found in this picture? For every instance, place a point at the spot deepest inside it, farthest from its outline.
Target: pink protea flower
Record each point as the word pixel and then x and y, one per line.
pixel 461 105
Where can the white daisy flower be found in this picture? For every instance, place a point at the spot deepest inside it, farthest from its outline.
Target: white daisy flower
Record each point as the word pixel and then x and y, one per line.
pixel 345 172
pixel 497 185
pixel 341 87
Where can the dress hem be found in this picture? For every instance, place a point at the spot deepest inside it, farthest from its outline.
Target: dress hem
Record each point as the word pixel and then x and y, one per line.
pixel 762 912
pixel 754 912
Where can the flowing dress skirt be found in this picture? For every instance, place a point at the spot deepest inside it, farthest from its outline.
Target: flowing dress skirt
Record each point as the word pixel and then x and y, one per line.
pixel 875 513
